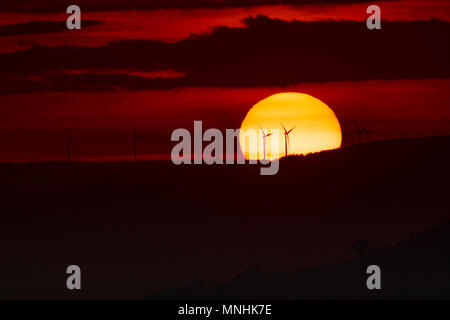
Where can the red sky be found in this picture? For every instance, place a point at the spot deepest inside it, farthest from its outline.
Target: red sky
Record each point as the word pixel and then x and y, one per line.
pixel 389 102
pixel 176 24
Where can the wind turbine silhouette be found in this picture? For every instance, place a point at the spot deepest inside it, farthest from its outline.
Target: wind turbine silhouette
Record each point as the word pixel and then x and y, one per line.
pixel 286 138
pixel 365 131
pixel 359 130
pixel 135 139
pixel 405 131
pixel 264 139
pixel 69 142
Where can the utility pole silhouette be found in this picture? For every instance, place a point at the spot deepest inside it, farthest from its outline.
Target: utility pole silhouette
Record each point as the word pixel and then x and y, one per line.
pixel 264 140
pixel 69 142
pixel 135 139
pixel 286 138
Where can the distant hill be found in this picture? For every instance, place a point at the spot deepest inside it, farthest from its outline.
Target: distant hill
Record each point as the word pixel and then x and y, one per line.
pixel 144 227
pixel 415 269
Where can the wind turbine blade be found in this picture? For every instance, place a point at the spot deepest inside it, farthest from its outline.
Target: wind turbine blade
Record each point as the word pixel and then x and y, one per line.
pixel 283 127
pixel 291 130
pixel 261 129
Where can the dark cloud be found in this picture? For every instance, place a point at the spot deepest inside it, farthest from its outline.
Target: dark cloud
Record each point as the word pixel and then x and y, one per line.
pixel 267 52
pixel 39 27
pixel 88 82
pixel 104 5
pixel 145 55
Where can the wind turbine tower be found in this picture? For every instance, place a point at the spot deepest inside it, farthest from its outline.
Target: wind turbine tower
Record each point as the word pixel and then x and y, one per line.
pixel 69 142
pixel 286 138
pixel 264 140
pixel 135 139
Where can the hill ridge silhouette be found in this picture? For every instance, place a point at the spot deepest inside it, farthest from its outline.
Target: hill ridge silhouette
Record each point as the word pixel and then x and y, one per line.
pixel 401 277
pixel 144 227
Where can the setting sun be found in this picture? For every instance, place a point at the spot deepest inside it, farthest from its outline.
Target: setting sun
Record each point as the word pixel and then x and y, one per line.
pixel 289 123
